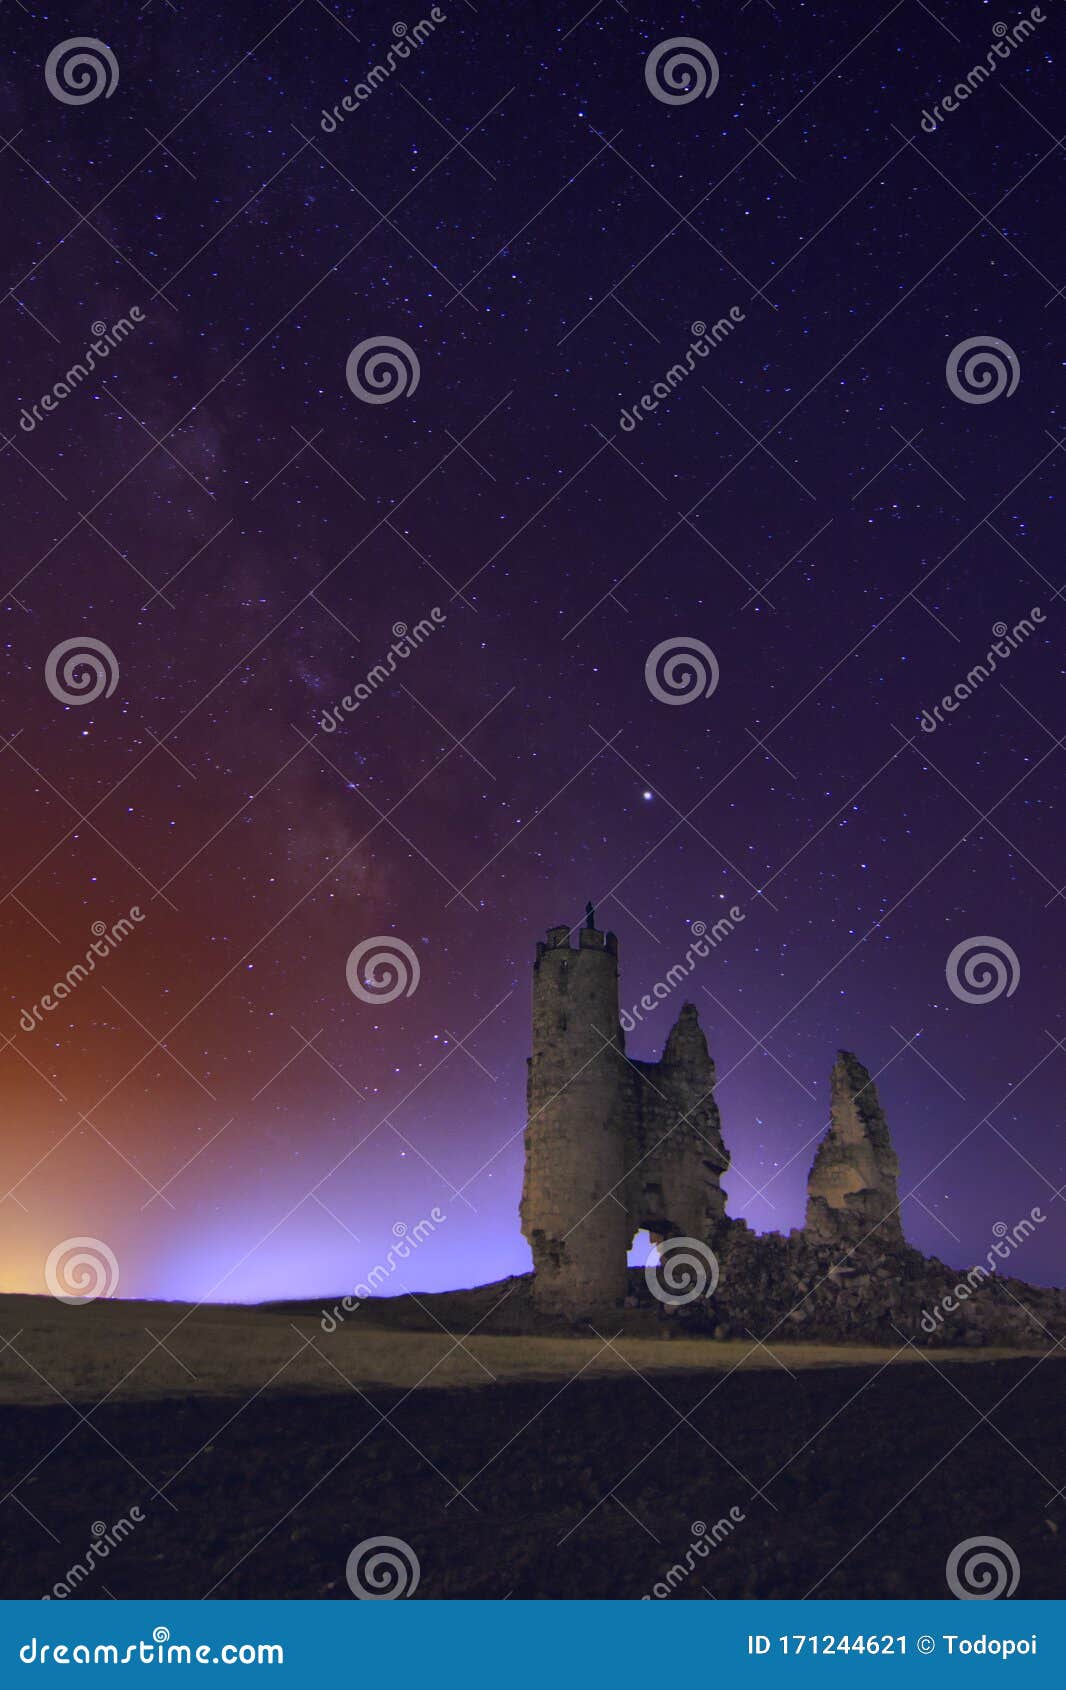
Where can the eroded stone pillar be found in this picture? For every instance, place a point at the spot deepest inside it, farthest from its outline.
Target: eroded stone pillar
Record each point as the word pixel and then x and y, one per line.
pixel 853 1186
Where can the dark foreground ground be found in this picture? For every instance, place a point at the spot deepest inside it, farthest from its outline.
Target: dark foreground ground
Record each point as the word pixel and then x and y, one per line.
pixel 586 1490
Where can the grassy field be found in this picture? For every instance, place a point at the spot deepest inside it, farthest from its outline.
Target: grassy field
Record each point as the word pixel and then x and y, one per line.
pixel 83 1353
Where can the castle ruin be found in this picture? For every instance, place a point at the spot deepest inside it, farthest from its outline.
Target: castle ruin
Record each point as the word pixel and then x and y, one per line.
pixel 614 1147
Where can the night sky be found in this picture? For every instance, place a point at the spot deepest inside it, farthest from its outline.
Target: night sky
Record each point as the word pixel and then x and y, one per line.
pixel 814 503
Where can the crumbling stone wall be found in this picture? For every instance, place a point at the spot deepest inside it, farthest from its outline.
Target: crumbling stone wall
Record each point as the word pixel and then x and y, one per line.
pixel 674 1147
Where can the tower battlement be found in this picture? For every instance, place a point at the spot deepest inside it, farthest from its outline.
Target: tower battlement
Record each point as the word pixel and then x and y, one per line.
pixel 589 939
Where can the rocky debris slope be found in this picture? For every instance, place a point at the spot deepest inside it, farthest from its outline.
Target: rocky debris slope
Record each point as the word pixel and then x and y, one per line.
pixel 801 1287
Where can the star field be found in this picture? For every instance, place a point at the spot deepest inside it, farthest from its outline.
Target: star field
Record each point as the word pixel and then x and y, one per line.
pixel 813 503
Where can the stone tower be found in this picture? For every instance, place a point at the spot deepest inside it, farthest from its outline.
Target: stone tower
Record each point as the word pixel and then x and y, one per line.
pixel 852 1188
pixel 572 1210
pixel 613 1146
